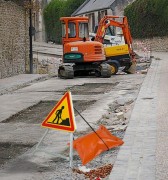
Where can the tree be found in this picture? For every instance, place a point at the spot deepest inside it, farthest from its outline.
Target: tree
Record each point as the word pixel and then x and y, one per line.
pixel 72 5
pixel 148 18
pixel 52 13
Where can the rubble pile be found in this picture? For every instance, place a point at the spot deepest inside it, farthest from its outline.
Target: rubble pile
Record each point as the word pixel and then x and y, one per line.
pixel 98 173
pixel 115 119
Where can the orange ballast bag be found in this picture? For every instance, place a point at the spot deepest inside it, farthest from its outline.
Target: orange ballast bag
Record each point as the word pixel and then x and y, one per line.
pixel 90 145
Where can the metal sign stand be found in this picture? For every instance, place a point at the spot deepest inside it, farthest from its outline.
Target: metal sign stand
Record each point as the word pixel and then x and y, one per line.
pixel 71 150
pixel 58 155
pixel 45 134
pixel 70 126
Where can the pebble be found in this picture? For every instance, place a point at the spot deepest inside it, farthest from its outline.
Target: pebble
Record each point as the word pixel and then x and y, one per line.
pixel 120 115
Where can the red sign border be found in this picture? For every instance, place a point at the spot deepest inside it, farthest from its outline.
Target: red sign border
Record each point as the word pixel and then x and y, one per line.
pixel 72 126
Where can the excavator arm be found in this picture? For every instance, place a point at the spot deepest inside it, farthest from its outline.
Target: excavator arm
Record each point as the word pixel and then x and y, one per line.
pixel 111 21
pixel 117 55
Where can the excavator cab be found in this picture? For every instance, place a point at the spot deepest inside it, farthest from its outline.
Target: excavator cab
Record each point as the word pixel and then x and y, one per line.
pixel 80 55
pixel 74 29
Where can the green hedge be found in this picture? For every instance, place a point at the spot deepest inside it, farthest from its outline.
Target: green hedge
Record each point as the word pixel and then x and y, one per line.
pixel 148 18
pixel 52 13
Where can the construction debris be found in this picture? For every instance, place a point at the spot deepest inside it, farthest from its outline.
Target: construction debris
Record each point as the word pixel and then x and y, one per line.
pixel 98 173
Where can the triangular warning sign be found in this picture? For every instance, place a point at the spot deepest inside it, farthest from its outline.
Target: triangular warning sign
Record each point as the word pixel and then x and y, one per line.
pixel 62 115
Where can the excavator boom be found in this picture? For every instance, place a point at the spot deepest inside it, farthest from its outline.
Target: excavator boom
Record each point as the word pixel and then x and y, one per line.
pixel 111 21
pixel 118 55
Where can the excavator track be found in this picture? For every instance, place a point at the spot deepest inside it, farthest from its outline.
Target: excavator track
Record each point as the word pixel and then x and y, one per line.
pixel 105 70
pixel 66 71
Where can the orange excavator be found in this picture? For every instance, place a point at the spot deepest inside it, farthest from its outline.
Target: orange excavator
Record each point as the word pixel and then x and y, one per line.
pixel 80 55
pixel 117 55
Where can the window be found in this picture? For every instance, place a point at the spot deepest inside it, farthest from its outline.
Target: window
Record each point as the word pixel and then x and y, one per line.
pixel 110 31
pixel 93 21
pixel 83 30
pixel 63 30
pixel 71 30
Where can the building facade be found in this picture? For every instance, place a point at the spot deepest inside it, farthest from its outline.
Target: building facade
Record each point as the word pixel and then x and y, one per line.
pixel 40 29
pixel 96 9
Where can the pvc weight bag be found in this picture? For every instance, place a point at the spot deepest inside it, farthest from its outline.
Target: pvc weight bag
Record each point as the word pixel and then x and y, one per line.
pixel 90 145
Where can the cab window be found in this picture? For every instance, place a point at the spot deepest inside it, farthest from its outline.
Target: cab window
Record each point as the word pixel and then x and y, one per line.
pixel 83 30
pixel 71 30
pixel 63 30
pixel 110 31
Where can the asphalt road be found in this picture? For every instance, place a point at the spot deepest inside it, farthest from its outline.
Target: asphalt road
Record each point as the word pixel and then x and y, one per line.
pixel 20 128
pixel 143 155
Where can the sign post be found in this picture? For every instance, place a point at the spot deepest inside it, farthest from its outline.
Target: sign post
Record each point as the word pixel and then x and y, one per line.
pixel 62 118
pixel 71 150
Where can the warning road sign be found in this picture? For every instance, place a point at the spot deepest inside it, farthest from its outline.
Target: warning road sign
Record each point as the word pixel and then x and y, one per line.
pixel 62 115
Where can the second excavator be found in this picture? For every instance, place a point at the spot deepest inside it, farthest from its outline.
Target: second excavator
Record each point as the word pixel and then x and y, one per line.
pixel 119 54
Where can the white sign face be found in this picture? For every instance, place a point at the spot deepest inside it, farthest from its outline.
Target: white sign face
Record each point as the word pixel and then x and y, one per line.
pixel 74 48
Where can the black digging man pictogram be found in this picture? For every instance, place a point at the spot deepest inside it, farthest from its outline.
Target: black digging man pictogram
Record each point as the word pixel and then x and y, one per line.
pixel 58 115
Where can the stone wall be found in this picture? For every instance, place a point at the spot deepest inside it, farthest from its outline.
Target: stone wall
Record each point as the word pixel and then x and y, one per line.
pixel 14 39
pixel 154 44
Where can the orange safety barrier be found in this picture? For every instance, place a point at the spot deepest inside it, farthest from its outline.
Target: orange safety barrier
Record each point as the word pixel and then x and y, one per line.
pixel 90 145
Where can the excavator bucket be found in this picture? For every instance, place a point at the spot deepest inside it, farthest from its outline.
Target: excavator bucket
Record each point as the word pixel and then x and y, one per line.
pixel 92 144
pixel 132 68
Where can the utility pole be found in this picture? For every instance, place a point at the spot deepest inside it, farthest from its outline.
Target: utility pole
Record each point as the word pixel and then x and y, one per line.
pixel 31 6
pixel 30 38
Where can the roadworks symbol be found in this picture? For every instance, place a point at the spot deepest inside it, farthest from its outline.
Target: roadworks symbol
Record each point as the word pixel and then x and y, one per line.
pixel 62 115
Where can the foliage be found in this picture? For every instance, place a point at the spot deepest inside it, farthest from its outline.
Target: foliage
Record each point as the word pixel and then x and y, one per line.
pixel 72 5
pixel 52 13
pixel 148 18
